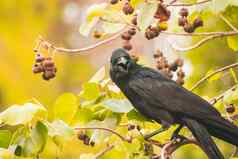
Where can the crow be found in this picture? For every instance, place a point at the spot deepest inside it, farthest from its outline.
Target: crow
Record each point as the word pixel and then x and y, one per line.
pixel 164 101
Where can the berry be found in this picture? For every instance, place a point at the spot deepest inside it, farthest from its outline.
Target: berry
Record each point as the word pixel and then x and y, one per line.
pixel 230 108
pixel 162 13
pixel 131 127
pixel 126 36
pixel 138 127
pixel 158 54
pixel 92 143
pixel 97 34
pixel 173 67
pixel 39 58
pixel 37 68
pixel 180 73
pixel 179 62
pixel 134 20
pixel 114 1
pixel 127 45
pixel 86 141
pixel 189 28
pixel 183 12
pixel 180 81
pixel 127 9
pixel 198 22
pixel 82 136
pixel 48 62
pixel 182 21
pixel 132 31
pixel 163 26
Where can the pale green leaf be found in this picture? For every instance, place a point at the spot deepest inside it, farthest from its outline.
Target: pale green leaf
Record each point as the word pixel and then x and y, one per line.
pixel 96 10
pixel 111 28
pixel 61 129
pixel 86 27
pixel 65 107
pixel 146 15
pixel 118 105
pixel 21 114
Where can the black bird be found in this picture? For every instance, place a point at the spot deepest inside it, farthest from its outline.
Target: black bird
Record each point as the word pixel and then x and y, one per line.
pixel 164 101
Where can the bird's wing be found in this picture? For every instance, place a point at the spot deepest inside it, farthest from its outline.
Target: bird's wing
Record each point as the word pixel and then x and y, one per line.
pixel 160 92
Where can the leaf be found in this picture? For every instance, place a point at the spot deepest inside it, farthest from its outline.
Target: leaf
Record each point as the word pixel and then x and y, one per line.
pixel 6 154
pixel 5 138
pixel 118 105
pixel 110 28
pixel 96 10
pixel 39 136
pixel 146 15
pixel 65 107
pixel 135 3
pixel 86 27
pixel 99 75
pixel 231 96
pixel 233 42
pixel 97 135
pixel 87 156
pixel 90 91
pixel 24 114
pixel 135 115
pixel 61 129
pixel 83 115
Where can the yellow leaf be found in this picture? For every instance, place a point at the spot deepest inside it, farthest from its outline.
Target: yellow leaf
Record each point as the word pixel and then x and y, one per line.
pixel 96 10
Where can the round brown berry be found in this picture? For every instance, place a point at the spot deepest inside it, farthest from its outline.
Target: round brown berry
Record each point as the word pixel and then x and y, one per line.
pixel 134 20
pixel 189 28
pixel 230 108
pixel 131 127
pixel 127 8
pixel 37 68
pixel 182 21
pixel 126 36
pixel 132 31
pixel 127 45
pixel 39 58
pixel 183 12
pixel 179 62
pixel 180 81
pixel 180 73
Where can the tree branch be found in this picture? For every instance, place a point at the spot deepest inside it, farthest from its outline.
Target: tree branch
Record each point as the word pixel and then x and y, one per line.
pixel 108 130
pixel 212 74
pixel 228 23
pixel 188 4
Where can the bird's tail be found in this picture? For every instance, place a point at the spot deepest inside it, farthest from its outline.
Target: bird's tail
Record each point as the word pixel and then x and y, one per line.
pixel 204 139
pixel 223 129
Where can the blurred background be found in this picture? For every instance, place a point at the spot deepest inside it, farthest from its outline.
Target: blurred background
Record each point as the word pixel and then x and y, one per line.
pixel 58 21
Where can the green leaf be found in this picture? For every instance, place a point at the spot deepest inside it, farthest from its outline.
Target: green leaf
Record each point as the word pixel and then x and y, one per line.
pixel 5 138
pixel 118 105
pixel 214 77
pixel 146 15
pixel 61 129
pixel 65 107
pixel 39 136
pixel 24 114
pixel 99 75
pixel 233 42
pixel 135 115
pixel 83 115
pixel 90 91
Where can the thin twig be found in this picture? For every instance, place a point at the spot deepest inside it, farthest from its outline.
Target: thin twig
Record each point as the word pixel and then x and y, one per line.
pixel 212 74
pixel 108 130
pixel 84 49
pixel 229 33
pixel 103 152
pixel 200 43
pixel 189 4
pixel 214 100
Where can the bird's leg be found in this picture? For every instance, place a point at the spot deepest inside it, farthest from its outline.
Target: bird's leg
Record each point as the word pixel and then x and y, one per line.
pixel 176 135
pixel 162 129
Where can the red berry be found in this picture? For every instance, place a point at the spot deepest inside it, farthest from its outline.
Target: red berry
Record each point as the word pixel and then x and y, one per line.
pixel 182 21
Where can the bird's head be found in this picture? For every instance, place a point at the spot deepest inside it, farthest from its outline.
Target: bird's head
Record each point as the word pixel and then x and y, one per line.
pixel 121 64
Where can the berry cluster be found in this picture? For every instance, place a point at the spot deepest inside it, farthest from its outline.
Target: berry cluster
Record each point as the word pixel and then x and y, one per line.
pixel 127 8
pixel 230 108
pixel 86 139
pixel 187 26
pixel 162 15
pixel 44 65
pixel 131 127
pixel 126 37
pixel 169 69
